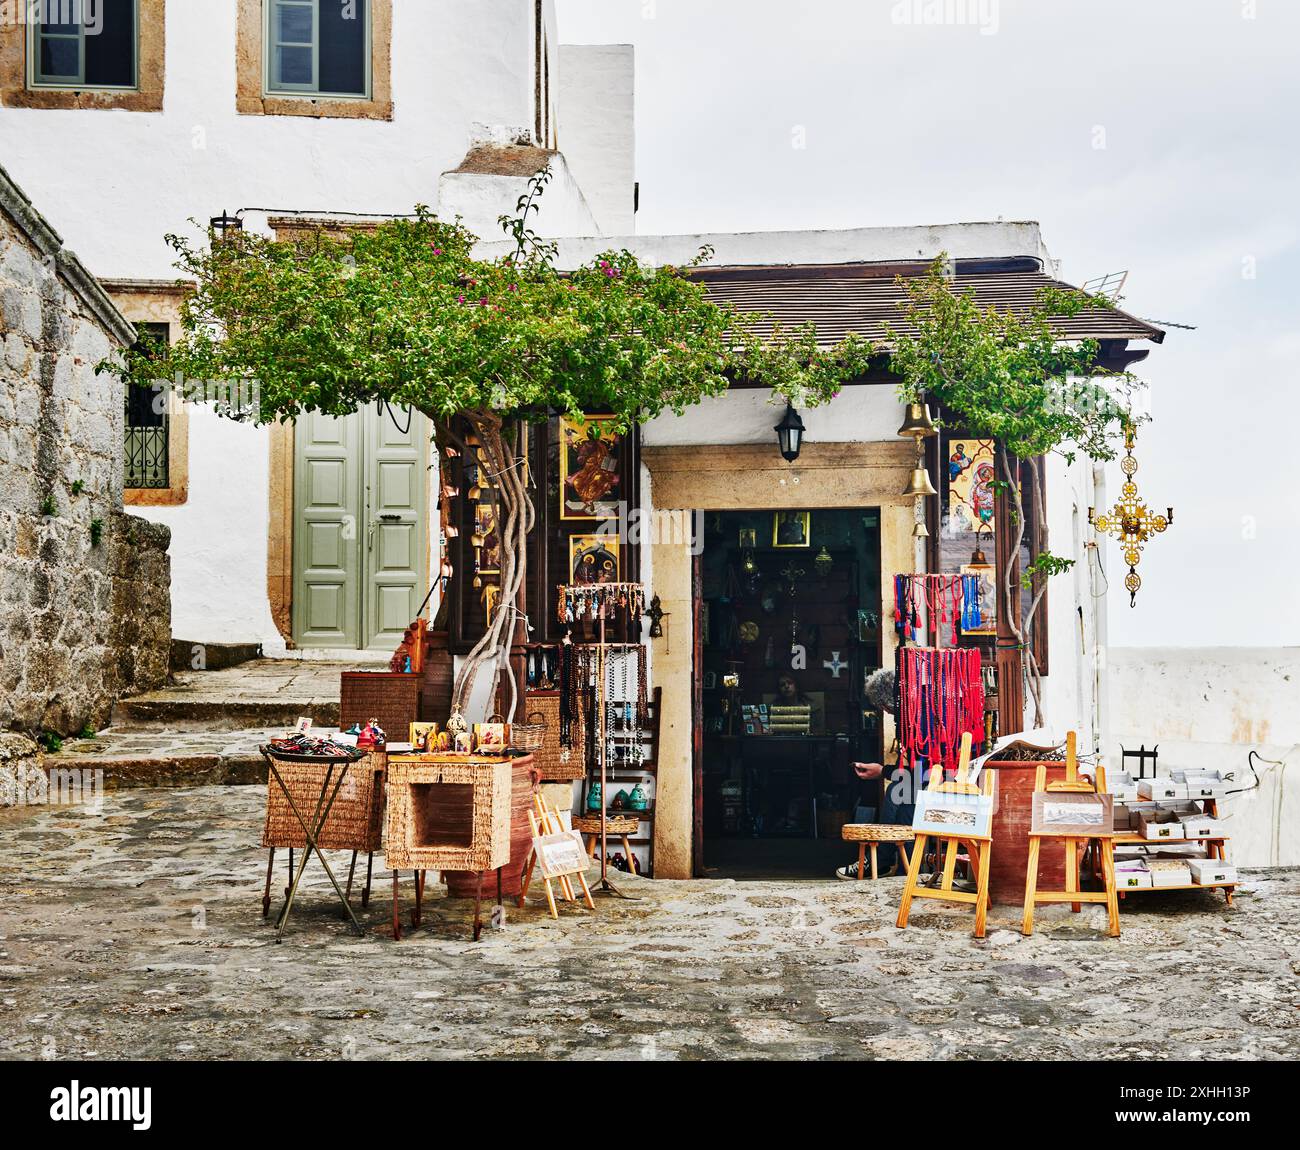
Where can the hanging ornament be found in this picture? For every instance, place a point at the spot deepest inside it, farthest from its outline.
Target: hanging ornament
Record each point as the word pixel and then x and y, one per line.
pixel 823 563
pixel 1129 521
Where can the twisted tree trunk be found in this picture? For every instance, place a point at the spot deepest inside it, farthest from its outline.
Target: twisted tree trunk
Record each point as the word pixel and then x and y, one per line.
pixel 514 515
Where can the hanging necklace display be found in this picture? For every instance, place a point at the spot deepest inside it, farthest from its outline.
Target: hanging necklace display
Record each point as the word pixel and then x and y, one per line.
pixel 941 697
pixel 935 601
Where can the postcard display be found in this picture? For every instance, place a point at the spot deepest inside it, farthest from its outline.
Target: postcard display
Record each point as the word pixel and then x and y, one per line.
pixel 1169 833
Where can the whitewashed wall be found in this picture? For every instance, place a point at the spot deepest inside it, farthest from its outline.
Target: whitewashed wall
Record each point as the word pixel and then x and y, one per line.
pixel 1209 707
pixel 115 182
pixel 598 131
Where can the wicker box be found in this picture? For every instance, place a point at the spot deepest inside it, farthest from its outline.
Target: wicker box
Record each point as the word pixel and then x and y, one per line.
pixel 356 820
pixel 448 813
pixel 391 697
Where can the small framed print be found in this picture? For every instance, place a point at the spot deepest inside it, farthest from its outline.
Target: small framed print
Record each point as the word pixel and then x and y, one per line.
pixel 710 680
pixel 942 813
pixel 593 559
pixel 792 529
pixel 748 538
pixel 424 737
pixel 1071 813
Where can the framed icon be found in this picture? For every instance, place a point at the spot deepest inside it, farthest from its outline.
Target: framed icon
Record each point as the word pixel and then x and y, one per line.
pixel 792 529
pixel 591 458
pixel 593 559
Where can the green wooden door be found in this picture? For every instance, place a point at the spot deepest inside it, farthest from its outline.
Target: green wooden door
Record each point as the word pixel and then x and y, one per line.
pixel 396 544
pixel 360 533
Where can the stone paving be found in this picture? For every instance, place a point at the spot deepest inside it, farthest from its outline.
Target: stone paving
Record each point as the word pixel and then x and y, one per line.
pixel 137 932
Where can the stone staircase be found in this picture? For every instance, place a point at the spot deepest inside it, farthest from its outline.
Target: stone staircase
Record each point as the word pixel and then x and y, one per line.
pixel 205 728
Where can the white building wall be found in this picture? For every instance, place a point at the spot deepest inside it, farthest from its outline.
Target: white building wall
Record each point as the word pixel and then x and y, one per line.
pixel 1210 707
pixel 219 538
pixel 118 181
pixel 597 130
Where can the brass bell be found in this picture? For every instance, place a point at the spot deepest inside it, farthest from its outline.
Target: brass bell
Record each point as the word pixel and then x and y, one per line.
pixel 920 531
pixel 918 422
pixel 920 483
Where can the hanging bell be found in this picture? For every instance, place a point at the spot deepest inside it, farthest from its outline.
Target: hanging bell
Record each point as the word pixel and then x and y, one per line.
pixel 917 422
pixel 920 483
pixel 920 531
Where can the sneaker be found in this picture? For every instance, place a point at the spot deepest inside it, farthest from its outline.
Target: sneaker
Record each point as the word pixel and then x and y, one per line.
pixel 850 871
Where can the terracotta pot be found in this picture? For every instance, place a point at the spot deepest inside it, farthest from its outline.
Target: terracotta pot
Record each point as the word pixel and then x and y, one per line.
pixel 464 883
pixel 1014 789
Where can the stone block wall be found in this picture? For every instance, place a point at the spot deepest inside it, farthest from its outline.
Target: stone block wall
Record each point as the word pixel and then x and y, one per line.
pixel 84 603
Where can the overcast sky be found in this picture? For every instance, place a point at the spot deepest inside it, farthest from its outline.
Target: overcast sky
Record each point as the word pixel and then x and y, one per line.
pixel 1154 136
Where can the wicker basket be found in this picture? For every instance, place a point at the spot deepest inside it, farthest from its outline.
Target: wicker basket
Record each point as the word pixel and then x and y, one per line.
pixel 549 756
pixel 356 820
pixel 529 736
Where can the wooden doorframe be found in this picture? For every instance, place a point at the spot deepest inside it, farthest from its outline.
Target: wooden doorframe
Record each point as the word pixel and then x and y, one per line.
pixel 697 718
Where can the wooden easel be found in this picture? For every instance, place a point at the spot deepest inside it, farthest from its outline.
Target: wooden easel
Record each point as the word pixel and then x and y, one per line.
pixel 978 846
pixel 1075 844
pixel 547 821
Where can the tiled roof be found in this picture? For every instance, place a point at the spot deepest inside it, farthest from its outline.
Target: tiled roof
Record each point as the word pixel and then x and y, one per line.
pixel 863 298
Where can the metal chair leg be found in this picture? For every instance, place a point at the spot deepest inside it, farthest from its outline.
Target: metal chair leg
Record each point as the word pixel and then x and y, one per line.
pixel 266 894
pixel 365 894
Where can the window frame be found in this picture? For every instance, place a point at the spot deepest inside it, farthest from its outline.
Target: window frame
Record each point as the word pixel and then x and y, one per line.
pixel 35 36
pixel 303 91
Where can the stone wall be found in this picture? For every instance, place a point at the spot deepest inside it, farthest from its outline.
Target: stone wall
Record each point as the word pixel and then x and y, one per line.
pixel 84 604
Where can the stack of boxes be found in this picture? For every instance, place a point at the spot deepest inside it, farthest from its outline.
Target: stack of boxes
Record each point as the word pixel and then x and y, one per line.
pixel 1169 813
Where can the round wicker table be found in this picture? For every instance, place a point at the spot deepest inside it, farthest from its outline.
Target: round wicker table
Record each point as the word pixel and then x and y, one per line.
pixel 870 835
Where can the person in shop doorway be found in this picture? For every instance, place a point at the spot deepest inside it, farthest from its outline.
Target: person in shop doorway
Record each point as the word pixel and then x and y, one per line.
pixel 896 809
pixel 788 694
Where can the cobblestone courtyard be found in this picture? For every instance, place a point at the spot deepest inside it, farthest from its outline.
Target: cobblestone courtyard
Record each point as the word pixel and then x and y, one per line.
pixel 137 933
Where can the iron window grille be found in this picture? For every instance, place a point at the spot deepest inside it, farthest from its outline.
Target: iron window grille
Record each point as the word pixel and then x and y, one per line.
pixel 147 426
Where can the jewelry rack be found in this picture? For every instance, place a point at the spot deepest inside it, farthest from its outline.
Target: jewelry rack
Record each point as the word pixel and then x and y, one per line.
pixel 600 602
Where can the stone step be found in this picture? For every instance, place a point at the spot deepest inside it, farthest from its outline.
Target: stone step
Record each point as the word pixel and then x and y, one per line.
pixel 188 656
pixel 195 715
pixel 256 694
pixel 134 757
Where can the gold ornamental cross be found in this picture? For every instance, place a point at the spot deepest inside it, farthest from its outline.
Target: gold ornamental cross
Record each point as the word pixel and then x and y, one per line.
pixel 1130 521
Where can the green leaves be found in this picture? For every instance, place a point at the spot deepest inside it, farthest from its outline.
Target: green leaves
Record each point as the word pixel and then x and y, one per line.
pixel 403 311
pixel 1009 375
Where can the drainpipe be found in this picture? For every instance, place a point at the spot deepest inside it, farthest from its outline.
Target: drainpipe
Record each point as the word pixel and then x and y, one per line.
pixel 1101 631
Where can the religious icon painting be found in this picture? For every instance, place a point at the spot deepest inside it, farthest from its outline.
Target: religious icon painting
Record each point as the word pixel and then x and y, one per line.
pixel 593 559
pixel 591 456
pixel 792 529
pixel 487 539
pixel 971 472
